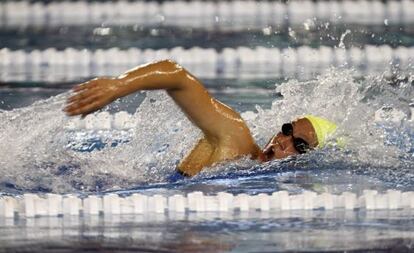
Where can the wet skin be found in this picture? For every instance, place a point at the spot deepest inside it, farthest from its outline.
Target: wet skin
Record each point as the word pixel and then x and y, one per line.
pixel 225 134
pixel 282 146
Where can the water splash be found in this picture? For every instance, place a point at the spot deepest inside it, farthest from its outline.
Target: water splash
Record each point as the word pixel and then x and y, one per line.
pixel 35 154
pixel 352 104
pixel 341 41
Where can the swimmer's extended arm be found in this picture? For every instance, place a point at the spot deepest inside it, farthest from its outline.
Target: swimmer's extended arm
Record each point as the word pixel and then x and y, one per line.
pixel 215 119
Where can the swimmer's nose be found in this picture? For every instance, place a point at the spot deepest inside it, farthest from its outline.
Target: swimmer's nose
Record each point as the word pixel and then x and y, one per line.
pixel 283 141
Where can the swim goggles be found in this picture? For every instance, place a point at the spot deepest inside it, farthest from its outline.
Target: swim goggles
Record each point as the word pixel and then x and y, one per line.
pixel 298 143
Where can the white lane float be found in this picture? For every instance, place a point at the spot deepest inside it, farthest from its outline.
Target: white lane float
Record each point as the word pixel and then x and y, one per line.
pixel 36 205
pixel 242 62
pixel 232 15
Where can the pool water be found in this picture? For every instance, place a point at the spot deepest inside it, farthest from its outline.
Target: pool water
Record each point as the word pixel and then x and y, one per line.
pixel 238 93
pixel 42 152
pixel 299 231
pixel 304 231
pixel 161 37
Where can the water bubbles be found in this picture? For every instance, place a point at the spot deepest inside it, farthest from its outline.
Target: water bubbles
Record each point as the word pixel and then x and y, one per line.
pixel 267 30
pixel 292 33
pixel 155 32
pixel 160 18
pixel 36 150
pixel 341 41
pixel 388 114
pixel 351 103
pixel 102 31
pixel 309 24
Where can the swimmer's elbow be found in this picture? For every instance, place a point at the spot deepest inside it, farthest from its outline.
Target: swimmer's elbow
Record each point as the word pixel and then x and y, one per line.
pixel 179 74
pixel 170 63
pixel 172 67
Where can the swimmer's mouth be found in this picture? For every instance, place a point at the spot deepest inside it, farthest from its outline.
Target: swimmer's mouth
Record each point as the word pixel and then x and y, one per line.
pixel 269 153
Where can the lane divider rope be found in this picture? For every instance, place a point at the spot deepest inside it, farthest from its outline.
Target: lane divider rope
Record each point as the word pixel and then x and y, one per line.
pixel 51 65
pixel 206 14
pixel 34 205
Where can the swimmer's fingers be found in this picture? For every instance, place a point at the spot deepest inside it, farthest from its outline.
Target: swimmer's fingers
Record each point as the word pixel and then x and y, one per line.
pixel 91 96
pixel 74 105
pixel 86 109
pixel 86 86
pixel 80 87
pixel 82 95
pixel 89 104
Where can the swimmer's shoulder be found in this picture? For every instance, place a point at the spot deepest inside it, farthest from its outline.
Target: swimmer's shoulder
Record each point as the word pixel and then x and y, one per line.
pixel 233 140
pixel 237 143
pixel 209 151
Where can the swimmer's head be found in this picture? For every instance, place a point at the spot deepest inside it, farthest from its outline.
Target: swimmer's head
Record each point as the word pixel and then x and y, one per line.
pixel 322 127
pixel 298 137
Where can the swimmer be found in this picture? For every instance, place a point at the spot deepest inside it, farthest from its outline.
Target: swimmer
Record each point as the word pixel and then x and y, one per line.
pixel 225 134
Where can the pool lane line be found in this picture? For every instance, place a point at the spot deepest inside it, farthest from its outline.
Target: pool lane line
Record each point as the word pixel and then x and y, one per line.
pixel 304 63
pixel 36 205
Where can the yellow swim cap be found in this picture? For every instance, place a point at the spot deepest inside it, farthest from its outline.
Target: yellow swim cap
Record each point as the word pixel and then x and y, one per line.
pixel 323 128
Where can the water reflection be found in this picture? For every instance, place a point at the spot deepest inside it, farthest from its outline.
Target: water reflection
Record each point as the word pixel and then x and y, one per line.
pixel 319 230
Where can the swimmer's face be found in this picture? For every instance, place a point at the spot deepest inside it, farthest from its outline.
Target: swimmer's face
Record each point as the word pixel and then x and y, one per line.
pixel 295 138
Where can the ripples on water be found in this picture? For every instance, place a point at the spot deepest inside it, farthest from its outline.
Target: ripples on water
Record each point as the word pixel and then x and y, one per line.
pixel 304 231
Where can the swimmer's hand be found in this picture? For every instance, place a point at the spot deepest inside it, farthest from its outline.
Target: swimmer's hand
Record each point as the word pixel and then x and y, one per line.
pixel 91 96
